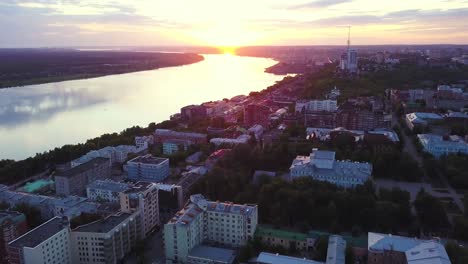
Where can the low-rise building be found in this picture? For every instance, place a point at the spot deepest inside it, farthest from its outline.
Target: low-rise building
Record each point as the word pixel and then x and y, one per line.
pixel 322 166
pixel 292 241
pixel 106 190
pixel 316 106
pixel 75 180
pixel 200 221
pixel 144 141
pixel 115 155
pixel 439 146
pixel 391 249
pixel 205 254
pixel 45 244
pixel 418 119
pixel 106 240
pixel 172 146
pixel 162 135
pixel 215 157
pixel 12 225
pixel 242 139
pixel 142 197
pixel 148 168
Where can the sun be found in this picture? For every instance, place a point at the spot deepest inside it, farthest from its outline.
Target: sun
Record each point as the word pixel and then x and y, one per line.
pixel 228 50
pixel 226 35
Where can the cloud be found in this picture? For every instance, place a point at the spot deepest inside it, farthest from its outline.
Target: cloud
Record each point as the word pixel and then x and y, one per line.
pixel 319 4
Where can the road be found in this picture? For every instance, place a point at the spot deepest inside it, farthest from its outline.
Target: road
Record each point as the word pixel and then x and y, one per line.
pixel 410 148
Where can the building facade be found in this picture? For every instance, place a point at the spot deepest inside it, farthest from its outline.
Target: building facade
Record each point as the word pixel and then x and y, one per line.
pixel 142 197
pixel 106 190
pixel 322 166
pixel 148 168
pixel 45 244
pixel 200 221
pixel 12 225
pixel 439 146
pixel 75 180
pixel 106 241
pixel 172 146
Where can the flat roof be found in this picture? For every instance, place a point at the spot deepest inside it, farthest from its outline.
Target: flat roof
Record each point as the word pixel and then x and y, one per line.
pixel 148 159
pixel 103 225
pixel 41 233
pixel 11 215
pixel 138 187
pixel 109 185
pixel 213 253
pixel 83 167
pixel 269 258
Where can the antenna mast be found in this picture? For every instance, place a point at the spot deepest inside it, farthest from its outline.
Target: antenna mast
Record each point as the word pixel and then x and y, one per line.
pixel 349 36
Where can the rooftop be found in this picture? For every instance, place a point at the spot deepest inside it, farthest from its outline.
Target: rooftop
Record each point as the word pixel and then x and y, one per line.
pixel 269 258
pixel 427 253
pixel 83 167
pixel 103 225
pixel 12 216
pixel 138 187
pixel 109 185
pixel 213 253
pixel 380 242
pixel 41 233
pixel 148 159
pixel 168 132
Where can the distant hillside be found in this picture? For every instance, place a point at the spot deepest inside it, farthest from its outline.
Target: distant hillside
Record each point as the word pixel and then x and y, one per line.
pixel 21 67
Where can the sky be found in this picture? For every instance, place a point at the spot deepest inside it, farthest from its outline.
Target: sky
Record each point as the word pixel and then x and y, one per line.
pixel 58 23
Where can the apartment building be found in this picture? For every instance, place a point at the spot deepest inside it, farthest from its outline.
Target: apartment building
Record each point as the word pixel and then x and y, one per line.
pixel 174 145
pixel 12 225
pixel 75 180
pixel 115 155
pixel 142 197
pixel 316 106
pixel 107 240
pixel 144 141
pixel 322 166
pixel 162 135
pixel 48 243
pixel 148 168
pixel 106 190
pixel 200 221
pixel 439 146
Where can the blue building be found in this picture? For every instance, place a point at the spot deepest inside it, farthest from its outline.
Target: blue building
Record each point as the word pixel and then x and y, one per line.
pixel 148 168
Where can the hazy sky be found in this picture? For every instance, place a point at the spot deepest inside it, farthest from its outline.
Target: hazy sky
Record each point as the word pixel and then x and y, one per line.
pixel 29 23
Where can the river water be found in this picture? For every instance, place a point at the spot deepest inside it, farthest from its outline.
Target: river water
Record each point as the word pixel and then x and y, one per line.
pixel 37 118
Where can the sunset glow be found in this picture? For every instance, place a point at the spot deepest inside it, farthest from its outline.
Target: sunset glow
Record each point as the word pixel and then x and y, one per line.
pixel 231 23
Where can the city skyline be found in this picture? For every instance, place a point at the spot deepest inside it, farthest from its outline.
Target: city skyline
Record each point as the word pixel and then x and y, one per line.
pixel 55 23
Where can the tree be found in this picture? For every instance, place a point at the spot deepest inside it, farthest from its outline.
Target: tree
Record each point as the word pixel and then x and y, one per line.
pixel 33 215
pixel 321 247
pixel 349 255
pixel 431 212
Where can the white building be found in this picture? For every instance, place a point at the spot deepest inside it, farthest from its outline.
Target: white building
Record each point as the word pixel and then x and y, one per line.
pixel 202 221
pixel 148 168
pixel 336 250
pixel 116 154
pixel 45 244
pixel 106 240
pixel 438 146
pixel 322 166
pixel 242 139
pixel 316 106
pixel 144 141
pixel 142 197
pixel 385 248
pixel 106 190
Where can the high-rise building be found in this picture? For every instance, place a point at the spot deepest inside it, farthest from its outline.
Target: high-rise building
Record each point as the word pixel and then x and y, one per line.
pixel 45 244
pixel 202 221
pixel 107 240
pixel 142 197
pixel 12 225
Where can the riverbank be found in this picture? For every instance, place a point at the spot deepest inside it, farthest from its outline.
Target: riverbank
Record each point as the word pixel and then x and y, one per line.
pixel 22 67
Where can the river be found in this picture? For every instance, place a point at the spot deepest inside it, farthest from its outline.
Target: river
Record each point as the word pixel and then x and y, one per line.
pixel 38 118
